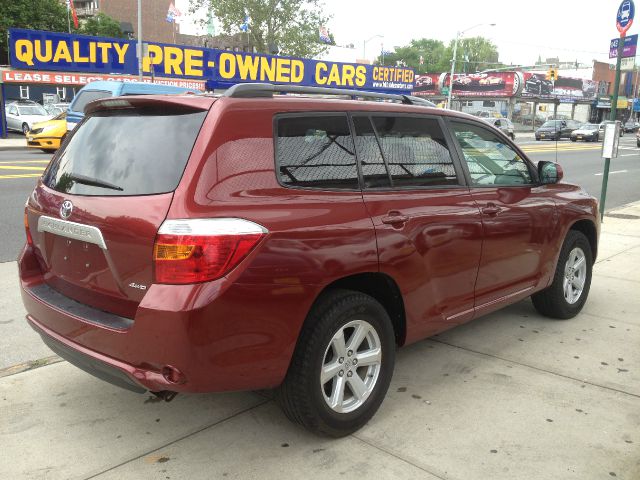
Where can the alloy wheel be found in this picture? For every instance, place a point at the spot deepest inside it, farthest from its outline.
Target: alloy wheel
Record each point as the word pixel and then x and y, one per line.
pixel 351 366
pixel 575 274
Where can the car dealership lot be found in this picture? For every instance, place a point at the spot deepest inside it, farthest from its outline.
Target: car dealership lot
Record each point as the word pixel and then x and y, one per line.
pixel 511 395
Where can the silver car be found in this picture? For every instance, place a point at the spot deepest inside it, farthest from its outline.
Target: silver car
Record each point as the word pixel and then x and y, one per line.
pixel 22 115
pixel 503 124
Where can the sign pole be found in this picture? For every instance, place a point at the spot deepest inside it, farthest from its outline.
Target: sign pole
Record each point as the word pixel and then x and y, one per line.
pixel 140 39
pixel 624 19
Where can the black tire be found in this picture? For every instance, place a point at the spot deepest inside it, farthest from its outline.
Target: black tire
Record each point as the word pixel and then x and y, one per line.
pixel 301 395
pixel 551 302
pixel 574 139
pixel 25 128
pixel 48 150
pixel 638 143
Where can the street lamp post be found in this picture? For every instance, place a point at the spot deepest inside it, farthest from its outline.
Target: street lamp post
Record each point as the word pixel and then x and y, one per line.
pixel 453 61
pixel 364 45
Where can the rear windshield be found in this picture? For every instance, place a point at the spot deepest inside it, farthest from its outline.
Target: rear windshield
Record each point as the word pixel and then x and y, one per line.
pixel 87 96
pixel 139 152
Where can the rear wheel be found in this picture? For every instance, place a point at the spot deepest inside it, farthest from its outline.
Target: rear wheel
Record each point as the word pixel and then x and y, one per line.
pixel 571 282
pixel 573 139
pixel 342 365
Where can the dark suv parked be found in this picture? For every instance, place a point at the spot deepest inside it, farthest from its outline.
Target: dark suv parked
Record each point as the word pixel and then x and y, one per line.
pixel 203 243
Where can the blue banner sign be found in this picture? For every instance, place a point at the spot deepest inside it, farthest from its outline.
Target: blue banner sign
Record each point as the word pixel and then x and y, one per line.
pixel 40 50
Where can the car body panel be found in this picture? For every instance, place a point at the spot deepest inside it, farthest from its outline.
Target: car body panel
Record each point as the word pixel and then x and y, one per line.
pixel 48 135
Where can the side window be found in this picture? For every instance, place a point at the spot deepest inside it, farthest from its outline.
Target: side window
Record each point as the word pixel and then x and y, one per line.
pixel 316 151
pixel 490 161
pixel 415 151
pixel 13 110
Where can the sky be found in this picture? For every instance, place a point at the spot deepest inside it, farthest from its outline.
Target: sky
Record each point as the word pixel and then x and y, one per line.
pixel 568 29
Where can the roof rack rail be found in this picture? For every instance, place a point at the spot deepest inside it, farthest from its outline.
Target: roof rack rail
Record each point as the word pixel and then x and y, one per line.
pixel 265 90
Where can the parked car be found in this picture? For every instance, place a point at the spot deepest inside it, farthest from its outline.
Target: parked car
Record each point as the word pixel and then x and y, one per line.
pixel 502 124
pixel 556 129
pixel 589 132
pixel 21 115
pixel 48 136
pixel 111 88
pixel 203 243
pixel 630 126
pixel 538 85
pixel 56 108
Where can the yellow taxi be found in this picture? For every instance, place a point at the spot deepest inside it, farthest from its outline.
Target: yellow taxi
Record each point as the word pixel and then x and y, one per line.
pixel 47 136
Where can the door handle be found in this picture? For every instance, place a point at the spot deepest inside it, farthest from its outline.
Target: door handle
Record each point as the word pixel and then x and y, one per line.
pixel 491 209
pixel 394 218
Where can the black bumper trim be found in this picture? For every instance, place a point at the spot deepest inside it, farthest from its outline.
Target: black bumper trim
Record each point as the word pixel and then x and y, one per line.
pixel 48 295
pixel 97 368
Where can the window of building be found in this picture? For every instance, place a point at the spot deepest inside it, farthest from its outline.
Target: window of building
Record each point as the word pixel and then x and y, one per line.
pixel 61 92
pixel 489 160
pixel 24 91
pixel 316 152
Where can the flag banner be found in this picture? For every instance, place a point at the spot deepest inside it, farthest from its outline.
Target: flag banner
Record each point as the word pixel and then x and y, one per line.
pixel 74 15
pixel 324 35
pixel 245 26
pixel 57 51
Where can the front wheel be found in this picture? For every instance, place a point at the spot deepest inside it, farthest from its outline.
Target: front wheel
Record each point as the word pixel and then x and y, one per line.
pixel 342 365
pixel 566 296
pixel 25 128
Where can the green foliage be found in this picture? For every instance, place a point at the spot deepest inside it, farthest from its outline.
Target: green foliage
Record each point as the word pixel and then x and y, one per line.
pixel 291 25
pixel 474 54
pixel 101 25
pixel 480 54
pixel 32 14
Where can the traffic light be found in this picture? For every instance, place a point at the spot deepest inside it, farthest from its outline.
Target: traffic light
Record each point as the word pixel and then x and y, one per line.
pixel 552 74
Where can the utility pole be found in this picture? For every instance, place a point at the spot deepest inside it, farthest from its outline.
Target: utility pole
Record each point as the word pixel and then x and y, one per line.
pixel 140 40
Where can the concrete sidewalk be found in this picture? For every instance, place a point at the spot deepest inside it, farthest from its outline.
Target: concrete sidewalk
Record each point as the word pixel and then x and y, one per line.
pixel 13 141
pixel 510 396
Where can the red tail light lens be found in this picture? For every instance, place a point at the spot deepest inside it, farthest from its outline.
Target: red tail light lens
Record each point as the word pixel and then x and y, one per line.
pixel 200 250
pixel 26 228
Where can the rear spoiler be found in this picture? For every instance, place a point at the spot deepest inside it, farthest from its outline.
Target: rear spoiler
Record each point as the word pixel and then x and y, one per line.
pixel 178 102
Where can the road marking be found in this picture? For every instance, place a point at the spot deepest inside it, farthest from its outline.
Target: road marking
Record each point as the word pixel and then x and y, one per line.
pixel 629 155
pixel 26 175
pixel 16 167
pixel 610 173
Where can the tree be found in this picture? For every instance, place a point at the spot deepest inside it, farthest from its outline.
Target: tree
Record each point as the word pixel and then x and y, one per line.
pixel 474 54
pixel 33 14
pixel 291 25
pixel 101 25
pixel 433 52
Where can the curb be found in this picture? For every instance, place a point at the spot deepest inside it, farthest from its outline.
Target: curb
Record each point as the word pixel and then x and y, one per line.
pixel 30 365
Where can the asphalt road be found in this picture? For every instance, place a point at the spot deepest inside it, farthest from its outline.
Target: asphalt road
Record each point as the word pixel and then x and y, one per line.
pixel 19 169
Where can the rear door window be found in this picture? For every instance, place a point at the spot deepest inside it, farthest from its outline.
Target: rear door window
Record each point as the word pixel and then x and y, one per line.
pixel 134 152
pixel 316 151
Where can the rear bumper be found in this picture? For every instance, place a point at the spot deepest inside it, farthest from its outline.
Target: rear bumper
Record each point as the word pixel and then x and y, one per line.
pixel 100 366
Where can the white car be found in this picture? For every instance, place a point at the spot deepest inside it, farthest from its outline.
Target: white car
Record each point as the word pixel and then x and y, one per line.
pixel 22 115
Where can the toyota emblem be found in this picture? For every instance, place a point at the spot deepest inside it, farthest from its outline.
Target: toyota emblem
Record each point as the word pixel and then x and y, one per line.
pixel 65 209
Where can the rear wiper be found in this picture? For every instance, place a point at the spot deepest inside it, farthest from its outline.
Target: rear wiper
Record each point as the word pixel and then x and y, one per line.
pixel 94 182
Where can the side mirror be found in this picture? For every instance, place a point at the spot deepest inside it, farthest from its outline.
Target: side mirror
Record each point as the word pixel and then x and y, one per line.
pixel 549 172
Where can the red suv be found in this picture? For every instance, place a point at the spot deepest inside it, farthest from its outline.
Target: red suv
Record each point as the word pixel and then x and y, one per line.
pixel 201 243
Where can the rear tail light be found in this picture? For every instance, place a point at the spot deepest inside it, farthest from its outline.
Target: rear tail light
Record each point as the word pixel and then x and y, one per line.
pixel 200 250
pixel 26 228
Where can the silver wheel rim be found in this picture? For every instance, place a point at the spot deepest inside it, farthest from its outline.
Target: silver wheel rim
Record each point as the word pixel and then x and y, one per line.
pixel 575 275
pixel 350 366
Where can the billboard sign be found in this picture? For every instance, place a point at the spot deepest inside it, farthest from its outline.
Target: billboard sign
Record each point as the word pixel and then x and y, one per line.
pixel 537 86
pixel 494 84
pixel 40 50
pixel 629 48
